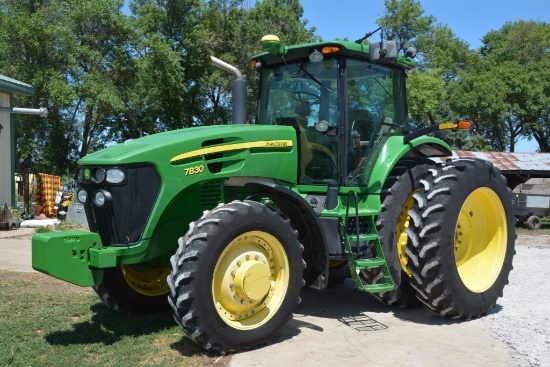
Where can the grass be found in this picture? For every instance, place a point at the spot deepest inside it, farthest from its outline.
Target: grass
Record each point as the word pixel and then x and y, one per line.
pixel 47 322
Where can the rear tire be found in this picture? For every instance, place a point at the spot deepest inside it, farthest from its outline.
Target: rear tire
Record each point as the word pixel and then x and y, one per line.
pixel 236 276
pixel 462 239
pixel 533 222
pixel 396 197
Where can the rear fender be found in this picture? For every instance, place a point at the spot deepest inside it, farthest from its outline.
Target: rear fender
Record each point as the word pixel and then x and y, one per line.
pixel 394 149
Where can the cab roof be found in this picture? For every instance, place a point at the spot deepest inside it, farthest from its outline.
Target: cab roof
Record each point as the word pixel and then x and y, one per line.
pixel 334 48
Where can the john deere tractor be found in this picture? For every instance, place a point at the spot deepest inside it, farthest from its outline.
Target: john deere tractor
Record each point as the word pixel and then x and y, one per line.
pixel 226 224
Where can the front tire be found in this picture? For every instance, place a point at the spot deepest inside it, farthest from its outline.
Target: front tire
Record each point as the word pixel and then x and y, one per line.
pixel 138 288
pixel 236 276
pixel 462 239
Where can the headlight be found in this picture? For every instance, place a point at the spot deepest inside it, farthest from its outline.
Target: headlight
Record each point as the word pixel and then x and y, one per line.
pixel 103 199
pixel 99 175
pixel 115 175
pixel 82 196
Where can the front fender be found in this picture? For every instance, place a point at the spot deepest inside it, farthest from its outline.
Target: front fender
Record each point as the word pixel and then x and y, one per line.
pixel 306 222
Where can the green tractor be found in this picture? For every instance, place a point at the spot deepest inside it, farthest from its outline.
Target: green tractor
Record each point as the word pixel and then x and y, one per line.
pixel 226 224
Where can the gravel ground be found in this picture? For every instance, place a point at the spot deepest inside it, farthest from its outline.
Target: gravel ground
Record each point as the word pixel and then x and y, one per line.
pixel 521 318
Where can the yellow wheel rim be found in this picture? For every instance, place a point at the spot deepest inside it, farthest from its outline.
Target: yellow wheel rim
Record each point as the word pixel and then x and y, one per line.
pixel 481 237
pixel 250 280
pixel 402 238
pixel 335 263
pixel 147 280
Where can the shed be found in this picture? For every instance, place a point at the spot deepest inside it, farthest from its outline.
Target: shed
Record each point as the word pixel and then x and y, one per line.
pixel 8 88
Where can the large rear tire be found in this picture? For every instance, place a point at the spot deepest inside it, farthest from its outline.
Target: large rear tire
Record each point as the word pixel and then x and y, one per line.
pixel 397 198
pixel 138 288
pixel 236 276
pixel 462 239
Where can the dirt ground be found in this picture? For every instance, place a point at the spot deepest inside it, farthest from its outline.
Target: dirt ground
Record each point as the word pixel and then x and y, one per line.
pixel 343 326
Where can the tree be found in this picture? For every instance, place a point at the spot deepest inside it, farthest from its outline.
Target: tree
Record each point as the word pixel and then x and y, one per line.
pixel 33 47
pixel 404 22
pixel 440 58
pixel 508 91
pixel 74 54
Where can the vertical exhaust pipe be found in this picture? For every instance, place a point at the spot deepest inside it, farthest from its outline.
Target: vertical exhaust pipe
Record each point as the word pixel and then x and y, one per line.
pixel 238 91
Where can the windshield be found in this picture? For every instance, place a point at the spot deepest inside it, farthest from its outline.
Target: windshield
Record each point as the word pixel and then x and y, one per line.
pixel 305 91
pixel 304 95
pixel 338 128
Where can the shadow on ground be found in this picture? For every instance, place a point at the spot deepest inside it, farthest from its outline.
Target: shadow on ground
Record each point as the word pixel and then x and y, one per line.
pixel 355 309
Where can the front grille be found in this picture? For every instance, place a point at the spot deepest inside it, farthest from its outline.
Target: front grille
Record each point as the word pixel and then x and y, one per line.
pixel 123 222
pixel 211 194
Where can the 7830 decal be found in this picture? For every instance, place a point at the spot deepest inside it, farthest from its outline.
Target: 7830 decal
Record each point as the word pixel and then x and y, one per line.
pixel 194 170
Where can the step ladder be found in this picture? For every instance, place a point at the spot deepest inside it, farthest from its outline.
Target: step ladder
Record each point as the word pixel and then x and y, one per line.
pixel 357 264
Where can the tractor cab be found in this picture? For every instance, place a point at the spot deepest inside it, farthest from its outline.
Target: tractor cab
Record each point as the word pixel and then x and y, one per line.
pixel 343 100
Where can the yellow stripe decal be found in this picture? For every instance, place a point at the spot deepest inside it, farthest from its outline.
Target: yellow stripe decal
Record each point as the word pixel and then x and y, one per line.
pixel 230 147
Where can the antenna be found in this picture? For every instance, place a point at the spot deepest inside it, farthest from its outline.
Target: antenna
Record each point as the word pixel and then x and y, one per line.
pixel 360 40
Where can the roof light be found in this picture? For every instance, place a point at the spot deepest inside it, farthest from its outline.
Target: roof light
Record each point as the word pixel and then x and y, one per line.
pixel 410 52
pixel 329 50
pixel 315 57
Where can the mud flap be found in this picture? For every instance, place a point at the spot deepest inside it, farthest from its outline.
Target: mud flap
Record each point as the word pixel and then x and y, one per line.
pixel 66 256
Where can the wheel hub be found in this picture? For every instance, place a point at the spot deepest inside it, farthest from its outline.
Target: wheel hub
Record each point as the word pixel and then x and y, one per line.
pixel 252 280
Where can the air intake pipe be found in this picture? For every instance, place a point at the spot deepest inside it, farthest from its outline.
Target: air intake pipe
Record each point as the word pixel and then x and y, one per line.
pixel 238 90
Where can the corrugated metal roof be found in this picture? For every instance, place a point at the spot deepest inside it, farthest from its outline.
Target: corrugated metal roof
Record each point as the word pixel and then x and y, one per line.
pixel 12 86
pixel 510 162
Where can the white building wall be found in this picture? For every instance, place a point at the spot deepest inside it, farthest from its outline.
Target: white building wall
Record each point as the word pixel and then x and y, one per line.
pixel 5 152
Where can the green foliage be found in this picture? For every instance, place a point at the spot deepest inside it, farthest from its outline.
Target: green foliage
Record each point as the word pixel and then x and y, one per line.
pixel 45 229
pixel 504 87
pixel 507 91
pixel 106 77
pixel 404 21
pixel 425 92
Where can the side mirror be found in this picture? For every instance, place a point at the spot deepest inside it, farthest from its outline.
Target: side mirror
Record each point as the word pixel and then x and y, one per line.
pixel 386 50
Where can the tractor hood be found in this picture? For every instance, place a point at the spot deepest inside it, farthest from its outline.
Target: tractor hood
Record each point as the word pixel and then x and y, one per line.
pixel 227 145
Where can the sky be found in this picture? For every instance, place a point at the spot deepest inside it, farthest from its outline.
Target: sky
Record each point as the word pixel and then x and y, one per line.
pixel 469 20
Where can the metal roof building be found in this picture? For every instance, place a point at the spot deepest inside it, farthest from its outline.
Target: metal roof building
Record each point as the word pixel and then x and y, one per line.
pixel 8 88
pixel 517 167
